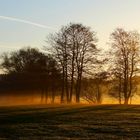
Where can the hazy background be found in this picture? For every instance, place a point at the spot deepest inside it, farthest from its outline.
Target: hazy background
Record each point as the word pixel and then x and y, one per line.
pixel 103 16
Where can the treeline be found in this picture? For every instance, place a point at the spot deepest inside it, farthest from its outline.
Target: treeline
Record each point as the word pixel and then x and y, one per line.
pixel 72 68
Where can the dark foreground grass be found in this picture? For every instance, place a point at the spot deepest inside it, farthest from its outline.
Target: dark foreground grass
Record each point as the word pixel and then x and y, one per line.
pixel 70 122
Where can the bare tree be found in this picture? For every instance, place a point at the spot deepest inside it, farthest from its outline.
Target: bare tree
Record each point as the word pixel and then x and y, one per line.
pixel 74 47
pixel 125 47
pixel 59 48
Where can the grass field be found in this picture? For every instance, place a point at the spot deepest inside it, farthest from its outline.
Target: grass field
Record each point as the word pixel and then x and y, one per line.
pixel 70 122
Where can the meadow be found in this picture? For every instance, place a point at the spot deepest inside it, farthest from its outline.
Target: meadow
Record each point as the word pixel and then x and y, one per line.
pixel 48 122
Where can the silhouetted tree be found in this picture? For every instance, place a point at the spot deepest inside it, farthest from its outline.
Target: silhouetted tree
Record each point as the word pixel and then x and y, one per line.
pixel 74 48
pixel 59 43
pixel 125 48
pixel 85 53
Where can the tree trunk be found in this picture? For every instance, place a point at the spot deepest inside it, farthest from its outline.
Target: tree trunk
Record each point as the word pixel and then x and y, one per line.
pixel 71 90
pixel 66 83
pixel 120 90
pixel 63 87
pixel 77 90
pixel 46 95
pixel 126 101
pixel 42 96
pixel 72 79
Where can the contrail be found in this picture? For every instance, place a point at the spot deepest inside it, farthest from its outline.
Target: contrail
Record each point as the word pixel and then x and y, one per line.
pixel 27 22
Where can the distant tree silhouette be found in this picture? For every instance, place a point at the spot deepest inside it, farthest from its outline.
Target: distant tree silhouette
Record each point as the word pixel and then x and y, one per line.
pixel 25 60
pixel 29 68
pixel 93 88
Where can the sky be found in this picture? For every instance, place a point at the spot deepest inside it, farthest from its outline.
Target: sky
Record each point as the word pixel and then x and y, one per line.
pixel 28 22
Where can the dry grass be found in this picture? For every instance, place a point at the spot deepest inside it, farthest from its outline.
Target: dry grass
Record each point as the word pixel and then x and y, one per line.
pixel 70 122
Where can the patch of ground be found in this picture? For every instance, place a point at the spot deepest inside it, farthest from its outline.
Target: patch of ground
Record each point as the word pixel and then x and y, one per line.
pixel 70 122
